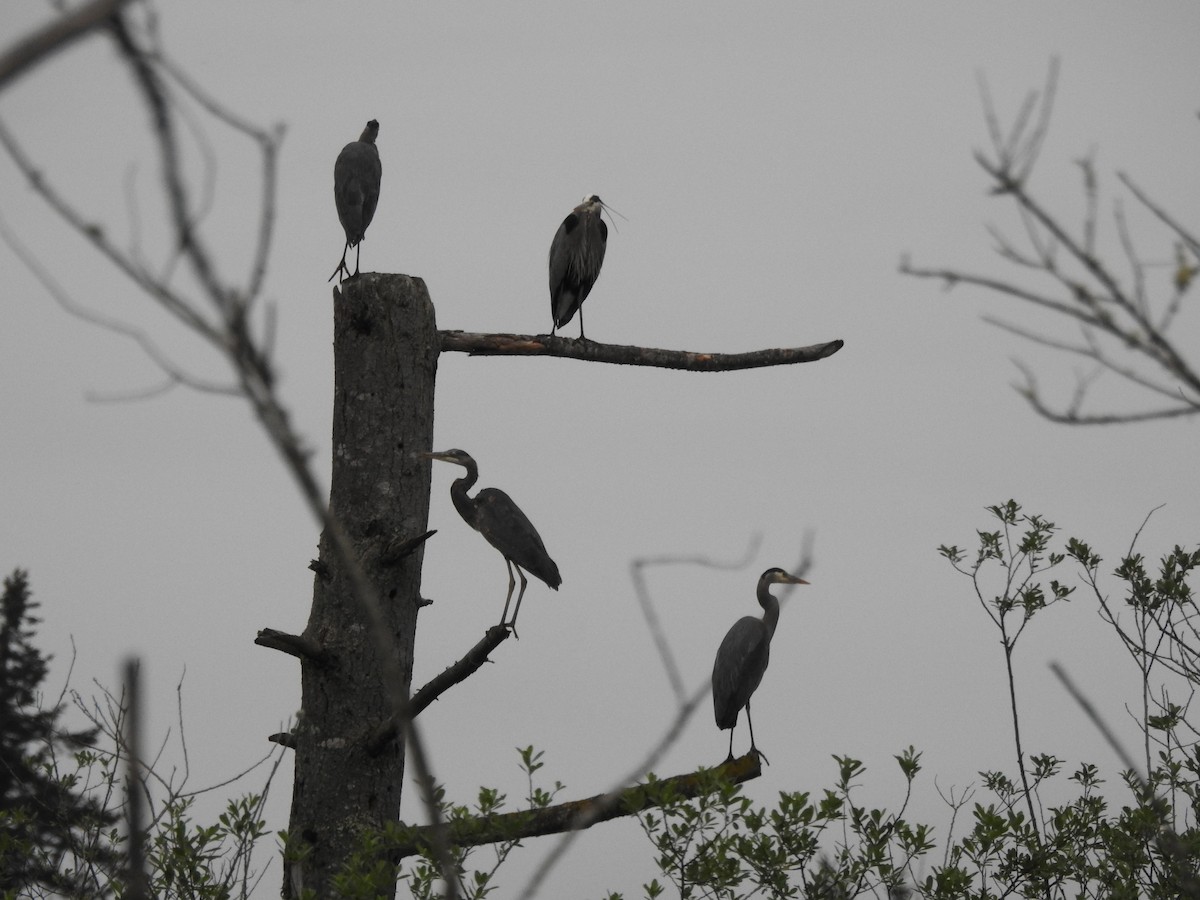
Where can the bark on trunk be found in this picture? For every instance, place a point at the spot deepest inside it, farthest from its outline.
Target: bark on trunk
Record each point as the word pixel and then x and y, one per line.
pixel 385 361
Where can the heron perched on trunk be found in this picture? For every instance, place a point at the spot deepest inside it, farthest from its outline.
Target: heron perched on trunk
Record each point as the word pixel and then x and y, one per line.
pixel 493 514
pixel 742 658
pixel 356 176
pixel 576 254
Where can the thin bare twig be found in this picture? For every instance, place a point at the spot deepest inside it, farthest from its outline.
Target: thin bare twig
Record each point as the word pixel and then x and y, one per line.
pixel 269 142
pixel 175 375
pixel 1163 216
pixel 1093 295
pixel 654 624
pixel 173 302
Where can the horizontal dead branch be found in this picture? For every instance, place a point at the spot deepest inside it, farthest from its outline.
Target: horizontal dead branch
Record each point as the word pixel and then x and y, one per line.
pixel 626 355
pixel 283 739
pixel 452 675
pixel 576 814
pixel 296 645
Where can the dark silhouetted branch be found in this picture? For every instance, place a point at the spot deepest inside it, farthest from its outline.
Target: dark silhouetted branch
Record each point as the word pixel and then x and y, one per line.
pixel 296 645
pixel 626 355
pixel 399 550
pixel 578 814
pixel 454 674
pixel 650 613
pixel 283 739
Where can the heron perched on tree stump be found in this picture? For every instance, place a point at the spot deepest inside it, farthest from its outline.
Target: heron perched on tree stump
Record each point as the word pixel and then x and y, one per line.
pixel 742 658
pixel 356 176
pixel 576 254
pixel 493 514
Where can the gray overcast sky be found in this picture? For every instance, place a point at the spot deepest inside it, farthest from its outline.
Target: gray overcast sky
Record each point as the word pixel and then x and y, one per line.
pixel 774 162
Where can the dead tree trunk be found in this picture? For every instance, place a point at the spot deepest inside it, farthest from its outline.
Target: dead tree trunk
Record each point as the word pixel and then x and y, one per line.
pixel 385 359
pixel 356 675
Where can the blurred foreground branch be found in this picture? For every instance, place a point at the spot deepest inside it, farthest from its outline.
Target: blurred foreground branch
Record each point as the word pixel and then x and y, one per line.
pixel 41 44
pixel 220 311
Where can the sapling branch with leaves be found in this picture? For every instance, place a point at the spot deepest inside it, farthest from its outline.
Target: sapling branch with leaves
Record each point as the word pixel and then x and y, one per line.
pixel 1012 592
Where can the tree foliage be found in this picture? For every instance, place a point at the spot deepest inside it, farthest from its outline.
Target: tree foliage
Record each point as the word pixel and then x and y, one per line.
pixel 60 794
pixel 53 827
pixel 1034 831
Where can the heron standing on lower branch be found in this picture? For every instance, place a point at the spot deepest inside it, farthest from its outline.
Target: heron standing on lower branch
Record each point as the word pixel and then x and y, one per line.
pixel 576 254
pixel 356 177
pixel 493 514
pixel 742 658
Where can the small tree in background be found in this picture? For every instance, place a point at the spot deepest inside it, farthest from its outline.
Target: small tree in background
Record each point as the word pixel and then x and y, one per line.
pixel 51 828
pixel 62 828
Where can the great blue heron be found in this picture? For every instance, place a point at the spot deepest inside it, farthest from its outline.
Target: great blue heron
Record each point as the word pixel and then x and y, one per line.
pixel 493 514
pixel 576 254
pixel 742 658
pixel 356 176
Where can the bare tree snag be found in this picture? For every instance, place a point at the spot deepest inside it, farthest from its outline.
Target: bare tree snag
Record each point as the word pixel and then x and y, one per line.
pixel 385 361
pixel 579 814
pixel 625 355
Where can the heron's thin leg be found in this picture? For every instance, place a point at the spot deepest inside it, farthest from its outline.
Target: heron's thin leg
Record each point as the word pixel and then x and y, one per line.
pixel 342 265
pixel 357 257
pixel 581 337
pixel 729 758
pixel 754 747
pixel 511 584
pixel 517 611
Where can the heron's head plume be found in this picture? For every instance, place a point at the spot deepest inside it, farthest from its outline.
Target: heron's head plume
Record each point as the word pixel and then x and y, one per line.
pixel 590 204
pixel 593 205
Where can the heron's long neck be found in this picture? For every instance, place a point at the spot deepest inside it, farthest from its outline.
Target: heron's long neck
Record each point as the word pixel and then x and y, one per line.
pixel 770 607
pixel 458 494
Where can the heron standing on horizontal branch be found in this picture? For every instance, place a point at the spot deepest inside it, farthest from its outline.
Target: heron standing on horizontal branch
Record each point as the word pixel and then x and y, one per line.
pixel 576 254
pixel 742 658
pixel 493 514
pixel 356 176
